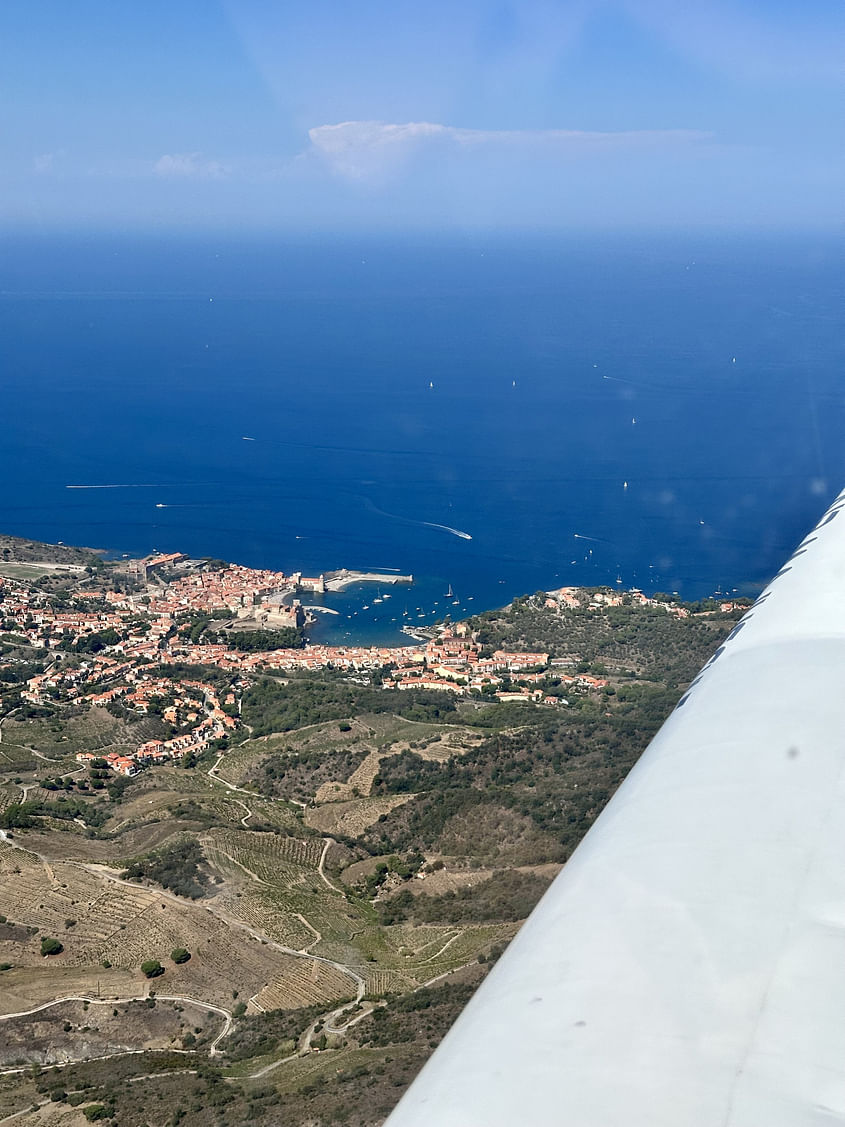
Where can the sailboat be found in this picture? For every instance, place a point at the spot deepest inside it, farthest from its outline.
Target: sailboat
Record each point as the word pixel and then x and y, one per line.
pixel 450 594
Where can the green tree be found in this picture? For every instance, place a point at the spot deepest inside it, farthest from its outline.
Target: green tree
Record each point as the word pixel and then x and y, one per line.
pixel 96 1111
pixel 152 968
pixel 16 816
pixel 51 946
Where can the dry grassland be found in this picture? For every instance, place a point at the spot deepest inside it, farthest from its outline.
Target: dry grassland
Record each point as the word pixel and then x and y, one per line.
pixel 350 819
pixel 50 1115
pixel 429 741
pixel 451 880
pixel 27 986
pixel 379 735
pixel 69 845
pixel 239 762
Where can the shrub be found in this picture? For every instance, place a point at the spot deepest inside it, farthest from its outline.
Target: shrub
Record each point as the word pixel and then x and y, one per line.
pixel 96 1111
pixel 175 867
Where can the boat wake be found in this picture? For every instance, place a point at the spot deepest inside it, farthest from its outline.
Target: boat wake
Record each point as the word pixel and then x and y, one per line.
pixel 419 523
pixel 126 486
pixel 444 528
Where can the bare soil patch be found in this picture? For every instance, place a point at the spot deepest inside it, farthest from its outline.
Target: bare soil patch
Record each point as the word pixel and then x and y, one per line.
pixel 76 1031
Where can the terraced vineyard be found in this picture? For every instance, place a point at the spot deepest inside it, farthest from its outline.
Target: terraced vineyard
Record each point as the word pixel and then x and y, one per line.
pixel 379 982
pixel 9 795
pixel 262 909
pixel 270 857
pixel 14 861
pixel 95 729
pixel 305 982
pixel 40 794
pixel 96 919
pixel 416 955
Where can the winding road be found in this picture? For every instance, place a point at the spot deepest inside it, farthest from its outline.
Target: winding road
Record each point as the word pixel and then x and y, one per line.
pixel 328 1022
pixel 184 999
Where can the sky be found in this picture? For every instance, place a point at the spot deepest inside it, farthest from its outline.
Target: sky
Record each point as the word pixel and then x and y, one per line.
pixel 327 115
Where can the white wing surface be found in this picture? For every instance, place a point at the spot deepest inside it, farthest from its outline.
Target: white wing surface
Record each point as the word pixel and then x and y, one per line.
pixel 687 967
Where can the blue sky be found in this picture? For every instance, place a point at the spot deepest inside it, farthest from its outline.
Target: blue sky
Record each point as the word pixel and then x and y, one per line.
pixel 329 114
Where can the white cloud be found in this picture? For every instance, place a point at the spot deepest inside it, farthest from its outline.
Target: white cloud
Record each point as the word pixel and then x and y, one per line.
pixel 363 150
pixel 189 164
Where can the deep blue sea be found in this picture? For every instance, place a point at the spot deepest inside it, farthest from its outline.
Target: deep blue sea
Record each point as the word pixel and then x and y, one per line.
pixel 666 413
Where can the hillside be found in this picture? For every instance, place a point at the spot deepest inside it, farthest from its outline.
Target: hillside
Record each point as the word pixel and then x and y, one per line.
pixel 290 868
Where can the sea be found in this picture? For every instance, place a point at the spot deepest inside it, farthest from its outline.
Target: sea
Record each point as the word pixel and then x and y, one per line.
pixel 494 413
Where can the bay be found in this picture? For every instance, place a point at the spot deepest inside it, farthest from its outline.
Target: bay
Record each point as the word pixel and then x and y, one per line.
pixel 495 414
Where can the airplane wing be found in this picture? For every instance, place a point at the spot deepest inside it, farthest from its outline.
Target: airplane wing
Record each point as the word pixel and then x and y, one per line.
pixel 687 967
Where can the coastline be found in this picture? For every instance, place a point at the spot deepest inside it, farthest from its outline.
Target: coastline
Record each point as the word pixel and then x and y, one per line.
pixel 406 607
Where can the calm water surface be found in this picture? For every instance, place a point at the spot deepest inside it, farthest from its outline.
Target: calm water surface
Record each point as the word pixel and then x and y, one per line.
pixel 661 414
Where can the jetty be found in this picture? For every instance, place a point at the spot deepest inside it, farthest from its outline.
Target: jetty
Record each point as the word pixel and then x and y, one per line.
pixel 339 580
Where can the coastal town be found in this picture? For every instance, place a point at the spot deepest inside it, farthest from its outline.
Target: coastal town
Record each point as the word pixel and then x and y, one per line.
pixel 205 804
pixel 113 644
